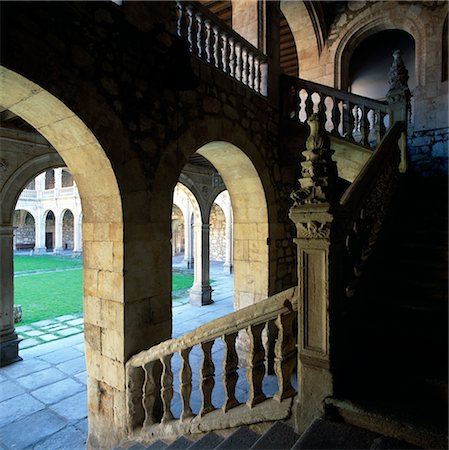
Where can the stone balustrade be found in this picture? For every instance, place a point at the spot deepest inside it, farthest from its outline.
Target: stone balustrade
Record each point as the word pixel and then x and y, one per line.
pixel 150 375
pixel 356 119
pixel 214 42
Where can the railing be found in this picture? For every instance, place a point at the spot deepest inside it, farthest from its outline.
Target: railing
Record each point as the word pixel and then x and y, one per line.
pixel 28 194
pixel 211 40
pixel 150 380
pixel 357 119
pixel 67 191
pixel 365 205
pixel 48 193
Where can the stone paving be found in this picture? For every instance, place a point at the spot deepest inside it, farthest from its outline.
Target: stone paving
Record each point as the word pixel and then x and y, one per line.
pixel 43 399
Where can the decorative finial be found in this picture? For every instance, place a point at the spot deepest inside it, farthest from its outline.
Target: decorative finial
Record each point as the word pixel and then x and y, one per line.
pixel 398 78
pixel 318 171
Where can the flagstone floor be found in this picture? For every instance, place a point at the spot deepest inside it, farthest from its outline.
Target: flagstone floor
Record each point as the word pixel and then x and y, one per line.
pixel 43 399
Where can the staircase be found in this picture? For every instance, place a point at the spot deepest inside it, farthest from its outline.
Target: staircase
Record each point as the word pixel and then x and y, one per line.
pixel 322 434
pixel 398 365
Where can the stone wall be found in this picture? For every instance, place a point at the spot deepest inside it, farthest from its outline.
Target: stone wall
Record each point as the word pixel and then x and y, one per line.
pixel 217 220
pixel 25 231
pixel 67 231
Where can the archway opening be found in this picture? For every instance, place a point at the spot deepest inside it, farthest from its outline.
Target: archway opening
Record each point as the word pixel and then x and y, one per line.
pixel 25 230
pixel 371 60
pixel 68 230
pixel 50 231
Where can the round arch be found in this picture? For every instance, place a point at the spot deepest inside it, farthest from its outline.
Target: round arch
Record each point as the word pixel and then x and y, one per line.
pixel 358 32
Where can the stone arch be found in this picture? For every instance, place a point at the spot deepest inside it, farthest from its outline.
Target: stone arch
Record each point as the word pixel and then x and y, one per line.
pixel 360 28
pixel 103 268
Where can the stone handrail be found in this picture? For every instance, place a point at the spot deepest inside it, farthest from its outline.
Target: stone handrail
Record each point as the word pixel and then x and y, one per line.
pixel 365 203
pixel 357 119
pixel 214 42
pixel 149 373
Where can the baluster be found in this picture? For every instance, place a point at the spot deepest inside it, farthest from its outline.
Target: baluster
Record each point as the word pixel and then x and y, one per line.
pixel 152 393
pixel 350 122
pixel 328 106
pixel 207 378
pixel 231 56
pixel 185 380
pixel 230 375
pixel 377 126
pixel 238 61
pixel 250 70
pixel 207 42
pixel 309 105
pixel 135 380
pixel 363 124
pixel 372 136
pixel 166 388
pixel 224 53
pixel 256 365
pixel 189 15
pixel 335 116
pixel 216 46
pixel 257 74
pixel 285 356
pixel 244 66
pixel 179 13
pixel 199 35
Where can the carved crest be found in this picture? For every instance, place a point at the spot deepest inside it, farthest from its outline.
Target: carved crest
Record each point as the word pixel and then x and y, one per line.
pixel 314 230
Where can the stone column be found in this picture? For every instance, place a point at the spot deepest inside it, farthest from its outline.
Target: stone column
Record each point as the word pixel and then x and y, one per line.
pixel 9 342
pixel 313 213
pixel 58 232
pixel 228 266
pixel 77 235
pixel 188 239
pixel 398 97
pixel 39 229
pixel 58 181
pixel 201 291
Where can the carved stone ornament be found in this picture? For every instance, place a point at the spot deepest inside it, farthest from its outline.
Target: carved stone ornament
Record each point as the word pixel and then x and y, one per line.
pixel 318 171
pixel 398 78
pixel 314 230
pixel 3 165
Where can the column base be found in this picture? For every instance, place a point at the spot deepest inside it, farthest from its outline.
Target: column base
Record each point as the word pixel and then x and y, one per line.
pixel 9 352
pixel 201 296
pixel 228 268
pixel 39 250
pixel 58 250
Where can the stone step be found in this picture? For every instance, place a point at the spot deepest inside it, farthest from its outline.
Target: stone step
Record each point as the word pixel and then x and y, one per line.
pixel 279 436
pixel 209 441
pixel 327 434
pixel 241 439
pixel 158 445
pixel 180 444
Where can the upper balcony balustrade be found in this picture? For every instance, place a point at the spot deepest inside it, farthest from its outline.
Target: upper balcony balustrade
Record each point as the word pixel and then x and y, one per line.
pixel 213 41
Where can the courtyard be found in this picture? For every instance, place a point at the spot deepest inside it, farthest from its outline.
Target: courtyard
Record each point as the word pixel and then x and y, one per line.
pixel 43 399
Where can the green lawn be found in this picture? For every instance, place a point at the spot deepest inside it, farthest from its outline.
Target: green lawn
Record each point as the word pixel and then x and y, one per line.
pixel 43 262
pixel 56 293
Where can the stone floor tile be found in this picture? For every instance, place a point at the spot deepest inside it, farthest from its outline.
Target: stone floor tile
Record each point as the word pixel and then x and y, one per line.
pixel 34 333
pixel 17 407
pixel 82 425
pixel 55 392
pixel 72 408
pixel 42 323
pixel 25 367
pixel 82 376
pixel 50 326
pixel 49 347
pixel 31 429
pixel 60 356
pixel 66 318
pixel 75 322
pixel 73 366
pixel 27 343
pixel 9 389
pixel 69 438
pixel 23 328
pixel 79 347
pixel 42 378
pixel 69 331
pixel 48 337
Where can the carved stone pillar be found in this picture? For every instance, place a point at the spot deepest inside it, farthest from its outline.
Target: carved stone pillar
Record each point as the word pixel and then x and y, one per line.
pixel 77 235
pixel 58 232
pixel 39 229
pixel 313 213
pixel 228 266
pixel 398 97
pixel 201 291
pixel 9 342
pixel 188 238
